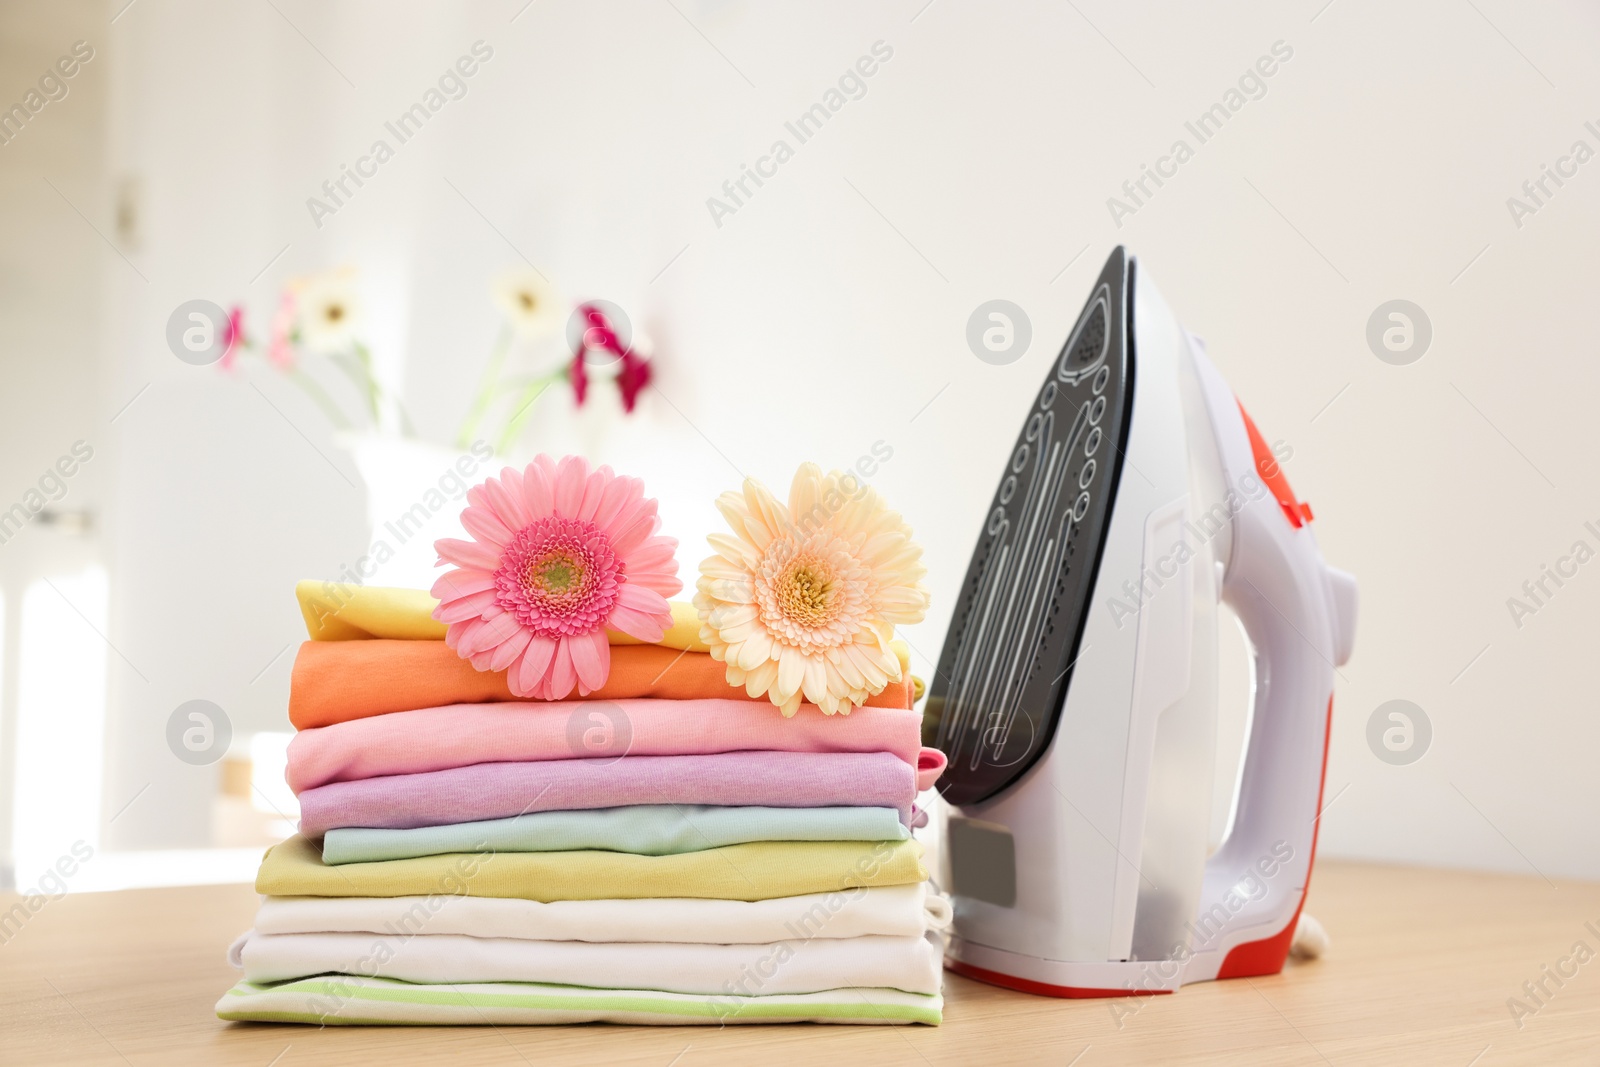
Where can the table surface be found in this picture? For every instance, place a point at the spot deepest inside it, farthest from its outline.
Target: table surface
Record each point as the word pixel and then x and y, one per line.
pixel 1421 968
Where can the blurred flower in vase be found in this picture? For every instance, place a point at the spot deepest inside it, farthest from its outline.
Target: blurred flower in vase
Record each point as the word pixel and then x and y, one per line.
pixel 233 338
pixel 601 344
pixel 321 315
pixel 328 318
pixel 533 311
pixel 632 379
pixel 598 339
pixel 529 302
pixel 329 312
pixel 280 339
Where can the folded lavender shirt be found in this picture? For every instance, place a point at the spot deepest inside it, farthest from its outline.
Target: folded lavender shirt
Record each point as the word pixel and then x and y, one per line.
pixel 504 790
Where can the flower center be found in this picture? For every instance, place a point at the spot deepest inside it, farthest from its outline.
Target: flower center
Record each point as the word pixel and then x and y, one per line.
pixel 559 577
pixel 527 301
pixel 813 595
pixel 553 575
pixel 804 591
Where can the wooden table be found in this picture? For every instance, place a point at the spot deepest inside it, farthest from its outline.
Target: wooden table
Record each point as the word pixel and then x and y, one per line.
pixel 1422 966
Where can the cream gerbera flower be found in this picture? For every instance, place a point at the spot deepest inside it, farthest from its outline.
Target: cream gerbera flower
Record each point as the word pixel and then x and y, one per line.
pixel 330 311
pixel 529 303
pixel 801 601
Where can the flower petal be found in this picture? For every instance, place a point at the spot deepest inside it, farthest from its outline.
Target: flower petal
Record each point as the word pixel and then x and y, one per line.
pixel 736 556
pixel 563 674
pixel 728 616
pixel 654 565
pixel 880 548
pixel 806 493
pixel 505 497
pixel 648 601
pixel 756 650
pixel 490 634
pixel 733 634
pixel 874 673
pixel 509 650
pixel 633 534
pixel 815 683
pixel 470 554
pixel 848 670
pixel 791 671
pixel 746 527
pixel 460 609
pixel 461 582
pixel 537 495
pixel 640 625
pixel 759 679
pixel 484 525
pixel 758 512
pixel 571 474
pixel 774 514
pixel 455 631
pixel 622 497
pixel 658 551
pixel 535 664
pixel 729 591
pixel 591 658
pixel 593 489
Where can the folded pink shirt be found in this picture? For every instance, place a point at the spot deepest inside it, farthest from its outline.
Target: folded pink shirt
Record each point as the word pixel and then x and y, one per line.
pixel 505 790
pixel 434 739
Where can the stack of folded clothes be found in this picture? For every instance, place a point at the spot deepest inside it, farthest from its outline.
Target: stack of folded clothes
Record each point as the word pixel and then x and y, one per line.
pixel 665 849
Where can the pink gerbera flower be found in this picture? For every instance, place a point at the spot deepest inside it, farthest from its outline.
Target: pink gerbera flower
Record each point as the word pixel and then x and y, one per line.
pixel 558 556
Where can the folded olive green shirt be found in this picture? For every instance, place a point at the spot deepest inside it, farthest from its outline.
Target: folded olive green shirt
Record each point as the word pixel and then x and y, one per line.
pixel 758 870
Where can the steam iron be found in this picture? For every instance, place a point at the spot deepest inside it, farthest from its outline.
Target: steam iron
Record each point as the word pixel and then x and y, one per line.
pixel 1076 693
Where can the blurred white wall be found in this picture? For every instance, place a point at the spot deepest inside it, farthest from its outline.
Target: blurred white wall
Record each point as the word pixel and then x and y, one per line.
pixel 829 312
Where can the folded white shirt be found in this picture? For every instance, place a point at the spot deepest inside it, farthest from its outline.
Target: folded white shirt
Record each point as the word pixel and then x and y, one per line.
pixel 895 911
pixel 910 964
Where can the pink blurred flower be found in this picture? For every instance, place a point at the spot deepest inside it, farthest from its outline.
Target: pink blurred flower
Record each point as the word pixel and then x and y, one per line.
pixel 280 346
pixel 634 377
pixel 578 375
pixel 600 335
pixel 558 555
pixel 232 337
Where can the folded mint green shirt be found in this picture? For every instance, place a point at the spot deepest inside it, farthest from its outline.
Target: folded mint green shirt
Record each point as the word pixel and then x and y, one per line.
pixel 644 829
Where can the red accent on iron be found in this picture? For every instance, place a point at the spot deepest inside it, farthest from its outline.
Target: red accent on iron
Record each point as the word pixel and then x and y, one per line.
pixel 1271 472
pixel 1267 956
pixel 1042 989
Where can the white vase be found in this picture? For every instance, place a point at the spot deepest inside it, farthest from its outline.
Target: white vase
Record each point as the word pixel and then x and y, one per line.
pixel 416 491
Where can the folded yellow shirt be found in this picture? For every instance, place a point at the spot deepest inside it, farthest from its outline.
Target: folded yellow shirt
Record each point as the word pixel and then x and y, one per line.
pixel 760 870
pixel 337 611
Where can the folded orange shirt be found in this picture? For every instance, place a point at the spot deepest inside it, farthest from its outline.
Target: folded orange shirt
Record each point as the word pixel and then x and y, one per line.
pixel 336 681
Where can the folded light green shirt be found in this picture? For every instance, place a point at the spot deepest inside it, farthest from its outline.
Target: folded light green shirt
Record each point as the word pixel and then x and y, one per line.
pixel 643 829
pixel 344 1000
pixel 758 870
